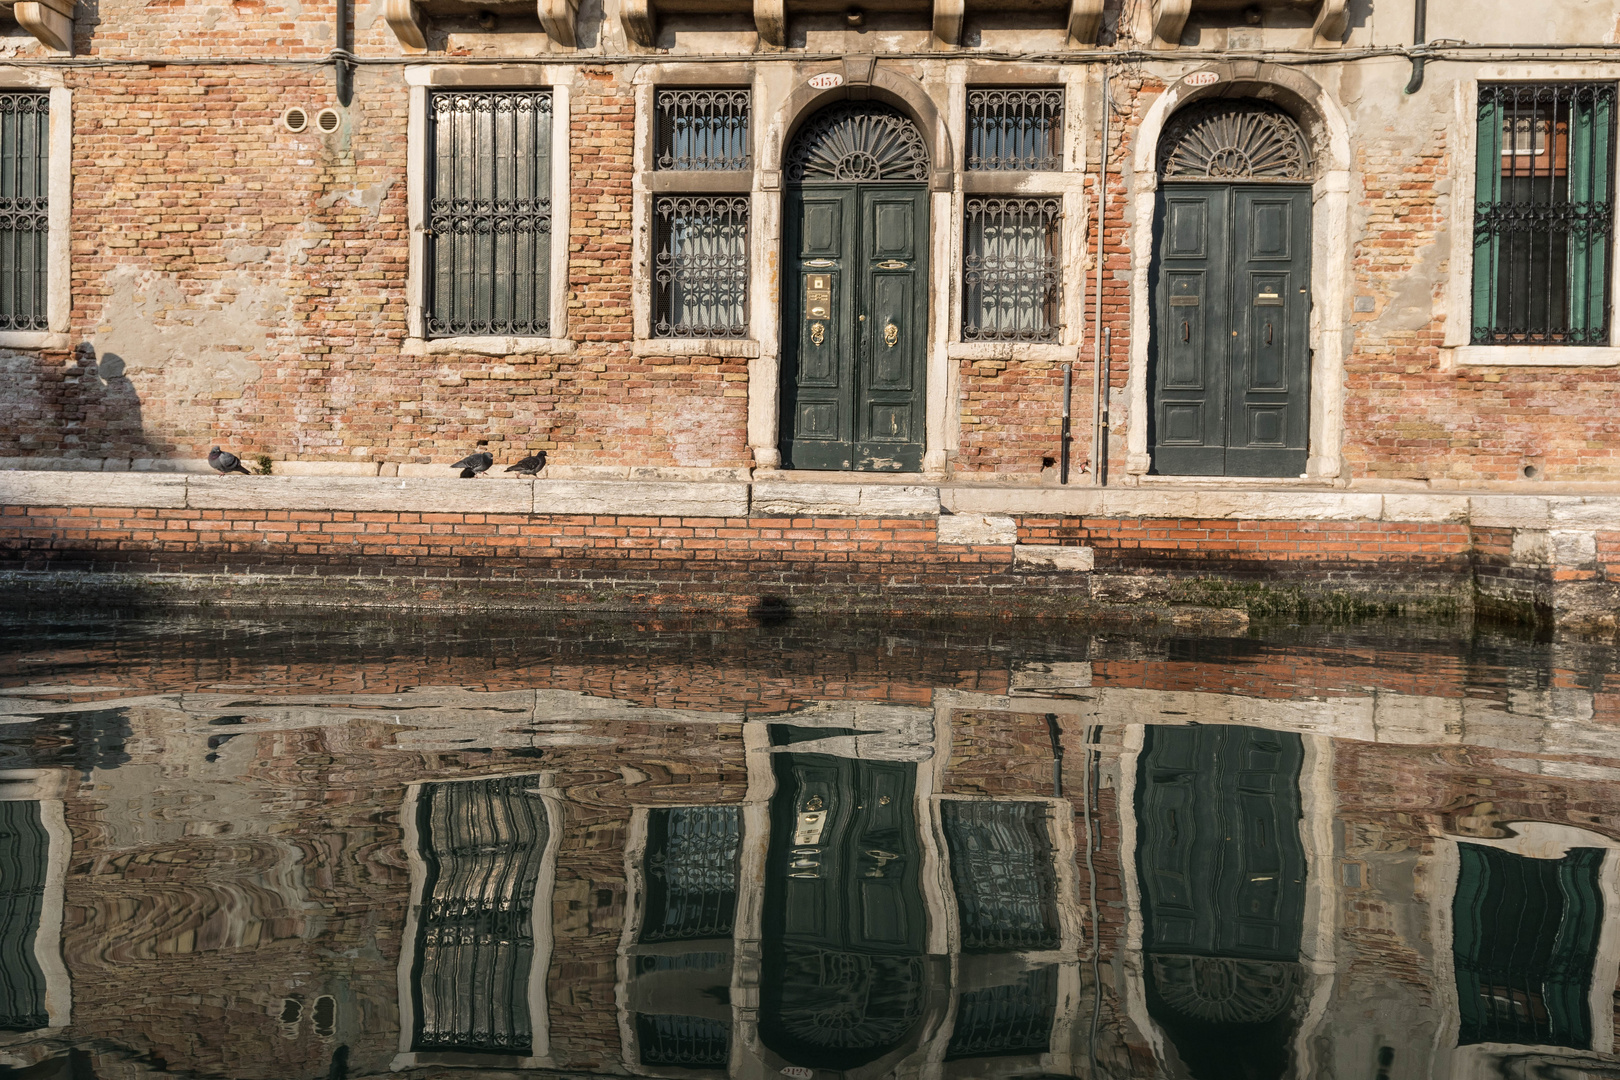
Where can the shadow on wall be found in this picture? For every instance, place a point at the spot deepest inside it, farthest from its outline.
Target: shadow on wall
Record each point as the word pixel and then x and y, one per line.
pixel 101 412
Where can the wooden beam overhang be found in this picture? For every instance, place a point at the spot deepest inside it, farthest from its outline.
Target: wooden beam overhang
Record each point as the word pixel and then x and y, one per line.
pixel 49 21
pixel 1169 18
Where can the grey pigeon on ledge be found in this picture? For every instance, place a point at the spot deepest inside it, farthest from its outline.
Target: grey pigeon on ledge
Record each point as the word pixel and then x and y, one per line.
pixel 530 465
pixel 473 464
pixel 226 462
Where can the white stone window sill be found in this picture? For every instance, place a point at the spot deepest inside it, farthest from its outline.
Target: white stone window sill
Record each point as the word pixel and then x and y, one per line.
pixel 32 339
pixel 1011 350
pixel 1537 356
pixel 694 347
pixel 488 346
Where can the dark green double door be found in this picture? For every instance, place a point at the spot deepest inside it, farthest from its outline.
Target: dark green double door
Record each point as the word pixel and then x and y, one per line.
pixel 854 327
pixel 1231 371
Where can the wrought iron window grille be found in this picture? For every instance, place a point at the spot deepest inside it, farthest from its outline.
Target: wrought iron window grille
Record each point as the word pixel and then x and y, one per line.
pixel 858 143
pixel 691 867
pixel 1004 876
pixel 1235 140
pixel 687 1042
pixel 1543 214
pixel 1006 1020
pixel 1011 270
pixel 1014 128
pixel 25 142
pixel 702 130
pixel 700 266
pixel 489 214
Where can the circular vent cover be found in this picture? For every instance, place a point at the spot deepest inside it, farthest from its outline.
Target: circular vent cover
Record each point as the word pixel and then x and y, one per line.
pixel 295 119
pixel 328 120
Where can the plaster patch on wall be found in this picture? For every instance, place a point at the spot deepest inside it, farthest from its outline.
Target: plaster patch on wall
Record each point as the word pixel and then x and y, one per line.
pixel 207 345
pixel 692 428
pixel 370 198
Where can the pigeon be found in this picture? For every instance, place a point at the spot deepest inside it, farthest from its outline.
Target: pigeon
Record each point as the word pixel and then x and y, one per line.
pixel 467 474
pixel 473 464
pixel 529 465
pixel 226 462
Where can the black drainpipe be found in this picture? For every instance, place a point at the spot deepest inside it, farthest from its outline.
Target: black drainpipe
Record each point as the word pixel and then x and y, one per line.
pixel 1420 17
pixel 342 53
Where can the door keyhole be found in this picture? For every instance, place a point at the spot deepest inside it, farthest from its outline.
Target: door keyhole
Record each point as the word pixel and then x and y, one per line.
pixel 1186 331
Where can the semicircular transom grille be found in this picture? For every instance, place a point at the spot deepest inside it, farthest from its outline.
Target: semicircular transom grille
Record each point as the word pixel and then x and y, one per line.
pixel 864 143
pixel 1234 140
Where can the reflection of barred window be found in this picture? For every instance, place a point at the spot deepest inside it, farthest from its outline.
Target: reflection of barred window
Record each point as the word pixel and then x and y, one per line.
pixel 689 1042
pixel 700 272
pixel 1543 213
pixel 691 872
pixel 1011 1019
pixel 489 214
pixel 1010 270
pixel 702 129
pixel 24 849
pixel 25 136
pixel 482 841
pixel 1002 868
pixel 1014 128
pixel 1524 941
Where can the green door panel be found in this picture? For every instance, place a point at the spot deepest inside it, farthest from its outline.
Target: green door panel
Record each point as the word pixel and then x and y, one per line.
pixel 24 857
pixel 855 311
pixel 1220 858
pixel 1230 344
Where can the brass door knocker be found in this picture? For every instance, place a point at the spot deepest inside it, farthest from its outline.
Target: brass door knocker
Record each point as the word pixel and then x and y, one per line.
pixel 818 333
pixel 891 335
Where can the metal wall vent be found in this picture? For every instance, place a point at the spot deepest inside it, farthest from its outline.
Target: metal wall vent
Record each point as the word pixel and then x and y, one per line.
pixel 328 120
pixel 295 119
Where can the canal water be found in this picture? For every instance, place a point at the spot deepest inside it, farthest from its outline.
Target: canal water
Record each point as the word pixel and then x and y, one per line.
pixel 279 847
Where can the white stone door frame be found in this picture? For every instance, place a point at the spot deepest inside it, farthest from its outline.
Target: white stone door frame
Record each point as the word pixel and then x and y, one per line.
pixel 1329 134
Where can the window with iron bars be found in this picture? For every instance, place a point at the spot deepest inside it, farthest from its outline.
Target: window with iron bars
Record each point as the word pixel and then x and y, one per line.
pixel 25 150
pixel 702 130
pixel 1011 272
pixel 1543 214
pixel 1014 128
pixel 700 266
pixel 489 214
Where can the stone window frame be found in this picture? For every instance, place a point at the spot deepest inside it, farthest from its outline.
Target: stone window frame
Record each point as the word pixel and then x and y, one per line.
pixel 1068 183
pixel 648 183
pixel 1460 282
pixel 1530 839
pixel 421 81
pixel 544 933
pixel 59 237
pixel 47 787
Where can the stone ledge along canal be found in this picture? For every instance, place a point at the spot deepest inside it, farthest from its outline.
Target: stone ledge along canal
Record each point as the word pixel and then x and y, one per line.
pixel 293 847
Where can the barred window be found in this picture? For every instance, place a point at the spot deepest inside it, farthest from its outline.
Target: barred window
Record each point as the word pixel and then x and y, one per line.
pixel 702 129
pixel 1010 270
pixel 700 273
pixel 489 214
pixel 691 872
pixel 1014 128
pixel 1002 867
pixel 25 138
pixel 1543 214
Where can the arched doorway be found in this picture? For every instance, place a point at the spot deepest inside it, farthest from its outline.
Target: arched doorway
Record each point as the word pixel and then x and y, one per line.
pixel 855 293
pixel 1230 280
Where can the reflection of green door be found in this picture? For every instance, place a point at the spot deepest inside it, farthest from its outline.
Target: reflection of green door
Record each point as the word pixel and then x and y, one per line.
pixel 843 980
pixel 854 327
pixel 1222 866
pixel 24 848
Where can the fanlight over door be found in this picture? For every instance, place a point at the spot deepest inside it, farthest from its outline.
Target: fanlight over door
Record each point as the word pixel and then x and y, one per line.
pixel 1231 293
pixel 855 300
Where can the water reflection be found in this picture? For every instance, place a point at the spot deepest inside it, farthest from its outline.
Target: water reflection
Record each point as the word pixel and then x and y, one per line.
pixel 268 850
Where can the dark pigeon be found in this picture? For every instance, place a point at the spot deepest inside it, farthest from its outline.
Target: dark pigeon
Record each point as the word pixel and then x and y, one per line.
pixel 530 465
pixel 473 464
pixel 226 462
pixel 467 474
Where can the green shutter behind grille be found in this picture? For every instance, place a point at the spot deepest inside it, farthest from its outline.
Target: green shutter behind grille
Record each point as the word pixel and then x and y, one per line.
pixel 489 214
pixel 25 148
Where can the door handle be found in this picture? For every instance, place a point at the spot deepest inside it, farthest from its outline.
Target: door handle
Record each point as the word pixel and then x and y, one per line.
pixel 1268 333
pixel 1186 331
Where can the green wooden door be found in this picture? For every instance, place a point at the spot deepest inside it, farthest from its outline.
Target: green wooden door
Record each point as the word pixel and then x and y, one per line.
pixel 1221 862
pixel 854 328
pixel 1231 345
pixel 843 978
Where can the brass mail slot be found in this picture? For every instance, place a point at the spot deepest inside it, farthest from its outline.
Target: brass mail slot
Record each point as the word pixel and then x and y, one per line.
pixel 1268 299
pixel 1184 301
pixel 817 308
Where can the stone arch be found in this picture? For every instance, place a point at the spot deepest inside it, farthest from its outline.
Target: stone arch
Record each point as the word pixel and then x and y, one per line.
pixel 1328 134
pixel 865 81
